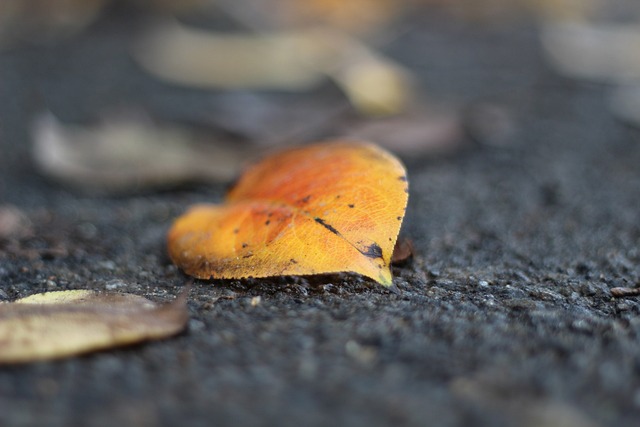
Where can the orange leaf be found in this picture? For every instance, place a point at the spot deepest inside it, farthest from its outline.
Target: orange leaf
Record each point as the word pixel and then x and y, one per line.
pixel 323 208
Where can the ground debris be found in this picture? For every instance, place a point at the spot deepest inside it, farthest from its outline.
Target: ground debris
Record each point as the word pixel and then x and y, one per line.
pixel 54 325
pixel 621 292
pixel 13 223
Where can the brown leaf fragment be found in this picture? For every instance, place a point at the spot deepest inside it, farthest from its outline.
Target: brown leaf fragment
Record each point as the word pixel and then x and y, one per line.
pixel 13 223
pixel 402 252
pixel 60 324
pixel 621 292
pixel 414 134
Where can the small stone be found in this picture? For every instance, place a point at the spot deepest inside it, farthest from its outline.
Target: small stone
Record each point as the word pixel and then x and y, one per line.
pixel 107 265
pixel 114 284
pixel 581 325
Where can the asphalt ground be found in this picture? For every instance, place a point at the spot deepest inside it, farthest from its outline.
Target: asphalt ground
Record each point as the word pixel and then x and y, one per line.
pixel 504 317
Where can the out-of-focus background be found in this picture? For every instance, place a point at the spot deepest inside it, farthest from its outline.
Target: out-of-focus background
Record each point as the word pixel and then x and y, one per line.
pixel 190 90
pixel 517 120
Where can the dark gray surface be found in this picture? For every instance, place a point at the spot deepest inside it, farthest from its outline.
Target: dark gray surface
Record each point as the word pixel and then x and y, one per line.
pixel 505 317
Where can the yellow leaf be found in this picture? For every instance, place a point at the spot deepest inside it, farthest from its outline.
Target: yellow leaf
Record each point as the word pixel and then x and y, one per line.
pixel 323 208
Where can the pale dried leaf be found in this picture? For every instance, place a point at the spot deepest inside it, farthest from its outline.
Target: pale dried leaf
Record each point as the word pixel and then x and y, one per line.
pixel 287 60
pixel 129 154
pixel 66 323
pixel 83 296
pixel 201 58
pixel 375 86
pixel 609 53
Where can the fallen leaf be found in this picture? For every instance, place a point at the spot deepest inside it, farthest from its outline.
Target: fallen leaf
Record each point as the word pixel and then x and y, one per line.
pixel 200 58
pixel 375 85
pixel 413 135
pixel 60 324
pixel 593 51
pixel 13 223
pixel 261 120
pixel 402 251
pixel 323 208
pixel 130 153
pixel 294 60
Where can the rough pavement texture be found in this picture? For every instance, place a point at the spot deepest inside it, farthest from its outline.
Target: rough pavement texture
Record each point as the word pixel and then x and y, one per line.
pixel 505 317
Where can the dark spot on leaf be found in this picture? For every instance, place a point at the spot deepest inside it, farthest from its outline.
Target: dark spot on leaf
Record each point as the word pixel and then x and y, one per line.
pixel 305 199
pixel 248 256
pixel 267 222
pixel 351 205
pixel 236 231
pixel 327 226
pixel 399 218
pixel 373 251
pixel 293 261
pixel 338 196
pixel 244 245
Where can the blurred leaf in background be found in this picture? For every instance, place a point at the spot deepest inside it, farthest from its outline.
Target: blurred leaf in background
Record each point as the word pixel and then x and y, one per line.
pixel 45 21
pixel 131 153
pixel 602 44
pixel 296 47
